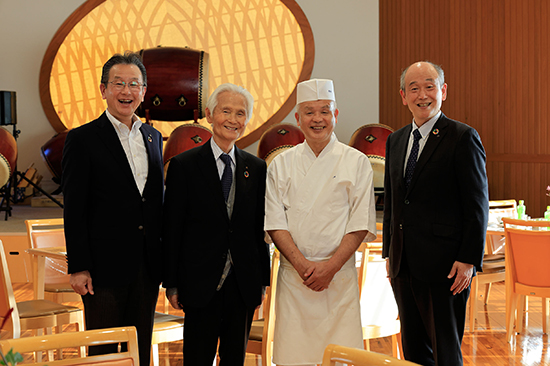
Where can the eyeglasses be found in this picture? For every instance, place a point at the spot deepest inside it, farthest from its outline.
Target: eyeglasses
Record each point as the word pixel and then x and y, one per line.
pixel 132 85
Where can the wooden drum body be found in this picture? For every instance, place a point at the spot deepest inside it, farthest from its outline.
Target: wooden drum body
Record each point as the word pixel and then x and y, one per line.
pixel 177 83
pixel 277 139
pixel 52 153
pixel 183 138
pixel 8 156
pixel 371 140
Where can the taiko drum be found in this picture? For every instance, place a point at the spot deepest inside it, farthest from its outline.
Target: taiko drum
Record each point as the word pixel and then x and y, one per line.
pixel 277 139
pixel 8 156
pixel 371 140
pixel 52 153
pixel 177 83
pixel 183 138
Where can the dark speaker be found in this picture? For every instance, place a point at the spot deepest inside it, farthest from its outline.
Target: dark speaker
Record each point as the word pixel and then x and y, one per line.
pixel 8 109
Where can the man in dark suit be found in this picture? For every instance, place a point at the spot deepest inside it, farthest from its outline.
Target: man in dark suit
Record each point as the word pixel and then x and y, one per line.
pixel 435 217
pixel 113 190
pixel 217 261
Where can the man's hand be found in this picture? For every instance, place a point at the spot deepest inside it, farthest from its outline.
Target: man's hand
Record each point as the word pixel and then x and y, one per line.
pixel 319 275
pixel 81 282
pixel 463 273
pixel 174 301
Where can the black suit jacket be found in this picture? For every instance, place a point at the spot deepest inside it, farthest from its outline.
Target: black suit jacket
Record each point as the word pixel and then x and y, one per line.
pixel 442 217
pixel 110 228
pixel 198 231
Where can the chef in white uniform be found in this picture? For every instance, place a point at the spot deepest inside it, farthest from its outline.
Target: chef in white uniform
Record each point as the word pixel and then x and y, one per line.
pixel 319 208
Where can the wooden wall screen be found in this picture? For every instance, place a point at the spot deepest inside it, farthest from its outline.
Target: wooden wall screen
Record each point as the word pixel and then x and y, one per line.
pixel 495 54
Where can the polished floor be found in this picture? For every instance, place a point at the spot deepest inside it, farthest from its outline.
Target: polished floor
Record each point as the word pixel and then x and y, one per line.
pixel 485 346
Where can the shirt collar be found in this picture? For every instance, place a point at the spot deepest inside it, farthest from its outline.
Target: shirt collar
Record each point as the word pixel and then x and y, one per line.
pixel 217 151
pixel 119 125
pixel 426 127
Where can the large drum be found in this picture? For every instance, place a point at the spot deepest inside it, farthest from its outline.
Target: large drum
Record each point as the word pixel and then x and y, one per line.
pixel 277 139
pixel 371 140
pixel 183 138
pixel 52 153
pixel 177 83
pixel 8 156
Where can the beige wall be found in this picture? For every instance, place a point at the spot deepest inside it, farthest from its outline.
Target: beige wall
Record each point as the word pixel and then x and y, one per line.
pixel 346 42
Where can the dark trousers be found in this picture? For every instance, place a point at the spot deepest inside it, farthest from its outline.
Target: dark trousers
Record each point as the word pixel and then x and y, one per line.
pixel 226 318
pixel 131 304
pixel 432 320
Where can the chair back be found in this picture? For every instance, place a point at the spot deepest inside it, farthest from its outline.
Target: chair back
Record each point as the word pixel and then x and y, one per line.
pixel 353 356
pixel 527 251
pixel 7 298
pixel 48 233
pixel 79 339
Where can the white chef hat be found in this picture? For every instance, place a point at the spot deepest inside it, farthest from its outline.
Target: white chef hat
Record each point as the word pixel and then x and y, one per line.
pixel 315 89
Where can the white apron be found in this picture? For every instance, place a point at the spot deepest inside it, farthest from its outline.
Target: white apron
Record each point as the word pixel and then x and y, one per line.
pixel 318 200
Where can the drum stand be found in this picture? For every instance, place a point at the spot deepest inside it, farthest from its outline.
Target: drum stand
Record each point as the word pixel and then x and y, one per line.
pixel 5 192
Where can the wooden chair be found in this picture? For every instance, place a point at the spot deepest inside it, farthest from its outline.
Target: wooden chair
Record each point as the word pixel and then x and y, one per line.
pixel 261 333
pixel 80 340
pixel 166 328
pixel 383 327
pixel 353 356
pixel 33 314
pixel 47 233
pixel 493 260
pixel 527 271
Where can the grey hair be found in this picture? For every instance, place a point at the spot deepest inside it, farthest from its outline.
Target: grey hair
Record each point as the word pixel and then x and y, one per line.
pixel 438 69
pixel 228 87
pixel 129 58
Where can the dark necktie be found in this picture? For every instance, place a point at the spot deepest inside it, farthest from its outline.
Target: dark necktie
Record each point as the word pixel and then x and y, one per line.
pixel 227 176
pixel 411 163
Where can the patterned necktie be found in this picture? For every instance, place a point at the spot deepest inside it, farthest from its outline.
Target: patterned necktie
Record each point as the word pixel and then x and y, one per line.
pixel 411 163
pixel 227 176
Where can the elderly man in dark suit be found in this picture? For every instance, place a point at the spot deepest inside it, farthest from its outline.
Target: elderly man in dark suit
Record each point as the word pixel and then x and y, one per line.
pixel 113 189
pixel 435 217
pixel 217 261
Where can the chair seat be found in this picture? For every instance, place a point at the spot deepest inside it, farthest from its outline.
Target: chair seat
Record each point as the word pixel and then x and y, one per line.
pixel 58 287
pixel 167 322
pixel 257 330
pixel 36 308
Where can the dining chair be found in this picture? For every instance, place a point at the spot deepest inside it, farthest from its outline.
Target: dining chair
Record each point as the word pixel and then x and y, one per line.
pixel 166 328
pixel 527 270
pixel 261 333
pixel 493 259
pixel 47 233
pixel 386 323
pixel 352 356
pixel 33 314
pixel 80 340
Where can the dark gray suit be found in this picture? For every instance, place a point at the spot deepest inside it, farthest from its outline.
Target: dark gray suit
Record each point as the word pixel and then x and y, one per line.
pixel 441 218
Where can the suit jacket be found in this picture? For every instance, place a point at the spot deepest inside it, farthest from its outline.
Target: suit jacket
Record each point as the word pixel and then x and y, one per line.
pixel 198 231
pixel 110 228
pixel 442 217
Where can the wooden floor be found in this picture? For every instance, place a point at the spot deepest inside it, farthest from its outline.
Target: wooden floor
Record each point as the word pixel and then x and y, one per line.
pixel 485 346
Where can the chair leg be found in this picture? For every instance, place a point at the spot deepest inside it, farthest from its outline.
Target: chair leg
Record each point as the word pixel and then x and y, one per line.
pixel 511 317
pixel 522 308
pixel 394 346
pixel 366 344
pixel 544 315
pixel 473 303
pixel 155 354
pixel 59 330
pixel 487 291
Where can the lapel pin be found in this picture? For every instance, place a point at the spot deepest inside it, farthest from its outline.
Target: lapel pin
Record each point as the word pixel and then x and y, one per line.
pixel 246 175
pixel 149 138
pixel 435 131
